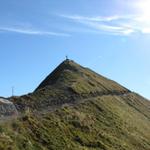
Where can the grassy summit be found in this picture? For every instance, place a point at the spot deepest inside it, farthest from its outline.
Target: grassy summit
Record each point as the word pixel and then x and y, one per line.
pixel 75 108
pixel 81 80
pixel 69 82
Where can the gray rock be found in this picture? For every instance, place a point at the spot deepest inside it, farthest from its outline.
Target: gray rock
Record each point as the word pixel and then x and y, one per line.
pixel 7 108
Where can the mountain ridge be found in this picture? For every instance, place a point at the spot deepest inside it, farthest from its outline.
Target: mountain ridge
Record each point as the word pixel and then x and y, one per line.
pixel 67 83
pixel 67 65
pixel 75 108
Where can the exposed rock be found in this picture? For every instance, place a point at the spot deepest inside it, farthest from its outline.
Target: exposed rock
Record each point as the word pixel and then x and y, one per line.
pixel 7 108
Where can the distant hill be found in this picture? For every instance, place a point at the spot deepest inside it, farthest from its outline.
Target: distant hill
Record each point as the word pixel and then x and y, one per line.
pixel 75 108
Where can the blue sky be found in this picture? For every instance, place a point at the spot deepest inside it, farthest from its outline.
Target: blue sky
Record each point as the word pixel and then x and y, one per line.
pixel 109 36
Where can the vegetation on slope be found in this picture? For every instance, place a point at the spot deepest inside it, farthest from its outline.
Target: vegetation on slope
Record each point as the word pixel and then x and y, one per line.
pixel 67 83
pixel 100 123
pixel 74 108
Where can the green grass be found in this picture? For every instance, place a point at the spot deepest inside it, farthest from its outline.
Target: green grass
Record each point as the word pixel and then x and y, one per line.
pixel 93 113
pixel 69 81
pixel 102 123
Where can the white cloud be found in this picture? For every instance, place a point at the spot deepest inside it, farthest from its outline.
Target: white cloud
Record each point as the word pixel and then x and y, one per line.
pixel 22 30
pixel 117 25
pixel 110 28
pixel 94 19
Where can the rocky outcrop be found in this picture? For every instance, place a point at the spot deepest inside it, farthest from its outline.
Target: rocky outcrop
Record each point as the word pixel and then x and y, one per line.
pixel 7 108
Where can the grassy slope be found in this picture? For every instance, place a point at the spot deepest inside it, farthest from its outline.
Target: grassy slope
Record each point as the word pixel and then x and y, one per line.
pixel 68 82
pixel 101 123
pixel 99 115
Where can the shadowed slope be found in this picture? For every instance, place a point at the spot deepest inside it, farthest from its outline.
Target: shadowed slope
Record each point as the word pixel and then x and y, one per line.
pixel 69 73
pixel 68 83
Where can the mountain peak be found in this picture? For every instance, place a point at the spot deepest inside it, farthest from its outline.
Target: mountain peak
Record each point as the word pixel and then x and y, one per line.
pixel 88 105
pixel 52 78
pixel 81 80
pixel 69 83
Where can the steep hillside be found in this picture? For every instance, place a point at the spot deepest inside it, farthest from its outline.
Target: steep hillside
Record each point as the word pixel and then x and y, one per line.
pixel 71 74
pixel 75 108
pixel 68 83
pixel 99 123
